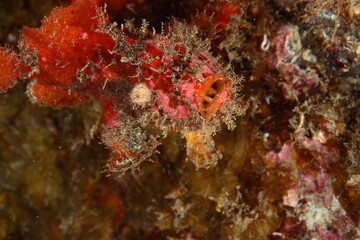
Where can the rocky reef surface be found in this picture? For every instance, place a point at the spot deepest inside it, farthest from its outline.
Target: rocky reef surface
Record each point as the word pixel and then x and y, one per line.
pixel 290 168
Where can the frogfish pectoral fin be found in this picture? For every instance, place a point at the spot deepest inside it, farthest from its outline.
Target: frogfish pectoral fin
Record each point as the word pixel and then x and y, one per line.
pixel 130 146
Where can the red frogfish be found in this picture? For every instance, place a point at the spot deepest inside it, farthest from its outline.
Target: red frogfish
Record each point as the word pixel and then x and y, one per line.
pixel 169 80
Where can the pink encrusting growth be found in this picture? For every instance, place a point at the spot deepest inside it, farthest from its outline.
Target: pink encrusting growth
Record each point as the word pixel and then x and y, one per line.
pixel 169 80
pixel 284 54
pixel 311 198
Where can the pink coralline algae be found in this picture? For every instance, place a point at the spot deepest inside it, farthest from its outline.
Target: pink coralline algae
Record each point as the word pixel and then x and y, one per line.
pixel 168 80
pixel 310 200
pixel 284 52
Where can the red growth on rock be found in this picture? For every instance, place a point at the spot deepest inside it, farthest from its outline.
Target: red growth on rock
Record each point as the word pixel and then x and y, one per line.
pixel 9 71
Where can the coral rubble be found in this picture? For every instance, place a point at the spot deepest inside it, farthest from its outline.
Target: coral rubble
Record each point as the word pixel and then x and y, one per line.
pixel 290 165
